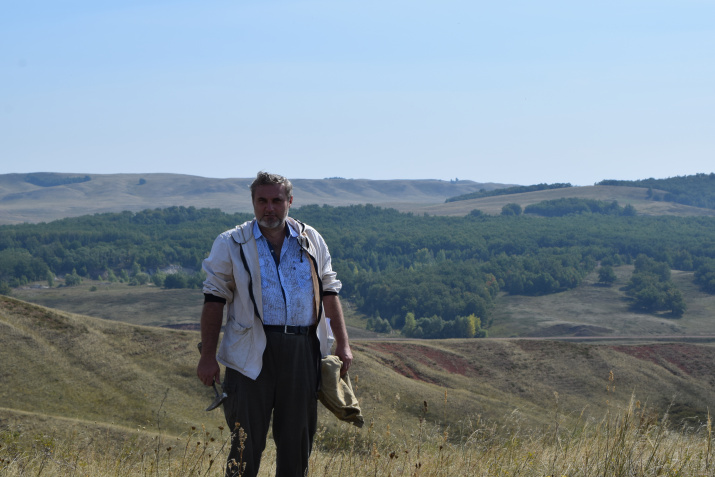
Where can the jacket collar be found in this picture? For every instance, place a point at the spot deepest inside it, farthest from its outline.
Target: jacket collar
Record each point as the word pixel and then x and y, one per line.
pixel 244 233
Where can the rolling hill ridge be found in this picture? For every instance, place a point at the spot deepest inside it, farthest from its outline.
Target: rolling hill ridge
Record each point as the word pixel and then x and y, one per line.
pixel 23 201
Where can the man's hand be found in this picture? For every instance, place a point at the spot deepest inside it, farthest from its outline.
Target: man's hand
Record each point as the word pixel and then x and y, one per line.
pixel 208 370
pixel 334 311
pixel 346 356
pixel 211 318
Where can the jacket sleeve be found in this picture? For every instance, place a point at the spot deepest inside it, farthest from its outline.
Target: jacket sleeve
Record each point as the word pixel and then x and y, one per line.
pixel 331 284
pixel 219 269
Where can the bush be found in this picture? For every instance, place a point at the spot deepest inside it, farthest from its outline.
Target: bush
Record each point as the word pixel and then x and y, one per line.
pixel 511 209
pixel 140 278
pixel 72 279
pixel 5 289
pixel 606 275
pixel 379 325
pixel 158 279
pixel 176 280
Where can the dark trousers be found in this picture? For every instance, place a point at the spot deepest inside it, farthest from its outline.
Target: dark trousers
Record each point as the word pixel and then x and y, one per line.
pixel 286 387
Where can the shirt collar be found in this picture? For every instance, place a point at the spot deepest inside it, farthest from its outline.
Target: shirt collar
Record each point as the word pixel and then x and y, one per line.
pixel 257 230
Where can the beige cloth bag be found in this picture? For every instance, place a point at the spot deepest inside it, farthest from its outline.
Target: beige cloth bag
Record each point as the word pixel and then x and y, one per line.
pixel 336 392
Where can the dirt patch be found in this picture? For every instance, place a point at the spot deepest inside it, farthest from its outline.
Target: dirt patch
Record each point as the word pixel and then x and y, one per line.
pixel 410 360
pixel 567 329
pixel 695 361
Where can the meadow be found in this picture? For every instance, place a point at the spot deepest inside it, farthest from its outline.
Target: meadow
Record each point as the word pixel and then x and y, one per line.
pixel 86 396
pixel 628 440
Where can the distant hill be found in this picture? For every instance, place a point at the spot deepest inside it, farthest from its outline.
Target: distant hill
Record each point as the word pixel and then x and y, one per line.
pixel 42 197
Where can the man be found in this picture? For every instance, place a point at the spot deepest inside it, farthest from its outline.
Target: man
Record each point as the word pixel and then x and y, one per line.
pixel 275 275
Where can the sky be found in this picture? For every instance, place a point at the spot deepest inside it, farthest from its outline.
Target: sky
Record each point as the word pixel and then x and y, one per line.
pixel 513 92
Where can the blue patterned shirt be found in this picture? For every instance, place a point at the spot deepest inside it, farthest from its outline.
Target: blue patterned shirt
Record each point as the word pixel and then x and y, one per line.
pixel 287 286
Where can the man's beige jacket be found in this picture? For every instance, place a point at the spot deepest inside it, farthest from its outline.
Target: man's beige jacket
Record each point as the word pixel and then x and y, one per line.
pixel 227 277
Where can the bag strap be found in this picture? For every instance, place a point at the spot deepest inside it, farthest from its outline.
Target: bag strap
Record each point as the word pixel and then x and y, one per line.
pixel 250 282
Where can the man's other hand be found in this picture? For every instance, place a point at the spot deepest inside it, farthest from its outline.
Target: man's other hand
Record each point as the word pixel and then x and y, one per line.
pixel 346 356
pixel 208 370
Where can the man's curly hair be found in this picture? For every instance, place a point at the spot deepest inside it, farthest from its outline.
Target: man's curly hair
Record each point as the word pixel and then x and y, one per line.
pixel 266 178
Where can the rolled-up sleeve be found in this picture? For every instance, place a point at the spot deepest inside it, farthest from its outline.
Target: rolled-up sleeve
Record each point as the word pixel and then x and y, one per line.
pixel 219 269
pixel 331 284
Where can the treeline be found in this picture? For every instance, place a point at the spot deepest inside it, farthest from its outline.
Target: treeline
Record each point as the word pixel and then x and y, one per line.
pixel 507 191
pixel 697 190
pixel 574 205
pixel 424 275
pixel 113 246
pixel 51 179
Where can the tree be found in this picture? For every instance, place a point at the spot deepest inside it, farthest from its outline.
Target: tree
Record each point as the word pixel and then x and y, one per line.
pixel 675 302
pixel 629 211
pixel 5 289
pixel 140 278
pixel 379 325
pixel 606 275
pixel 176 280
pixel 410 325
pixel 158 279
pixel 432 327
pixel 511 209
pixel 466 326
pixel 72 279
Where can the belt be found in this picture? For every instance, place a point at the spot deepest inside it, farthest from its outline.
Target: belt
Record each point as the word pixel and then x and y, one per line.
pixel 290 330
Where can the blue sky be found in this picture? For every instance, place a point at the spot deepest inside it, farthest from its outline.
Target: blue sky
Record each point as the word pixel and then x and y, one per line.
pixel 516 92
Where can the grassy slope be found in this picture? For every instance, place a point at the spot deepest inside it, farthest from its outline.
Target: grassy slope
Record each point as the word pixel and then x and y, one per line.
pixel 636 196
pixel 140 305
pixel 73 366
pixel 76 367
pixel 594 310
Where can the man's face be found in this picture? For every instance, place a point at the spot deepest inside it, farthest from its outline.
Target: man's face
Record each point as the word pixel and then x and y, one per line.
pixel 270 205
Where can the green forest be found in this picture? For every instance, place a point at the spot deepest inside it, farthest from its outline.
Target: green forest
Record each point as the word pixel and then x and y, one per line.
pixel 428 276
pixel 697 190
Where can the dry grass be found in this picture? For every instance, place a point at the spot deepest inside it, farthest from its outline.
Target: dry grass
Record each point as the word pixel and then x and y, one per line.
pixel 628 440
pixel 84 396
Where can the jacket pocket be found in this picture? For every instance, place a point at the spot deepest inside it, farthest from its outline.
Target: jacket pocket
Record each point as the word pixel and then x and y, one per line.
pixel 237 345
